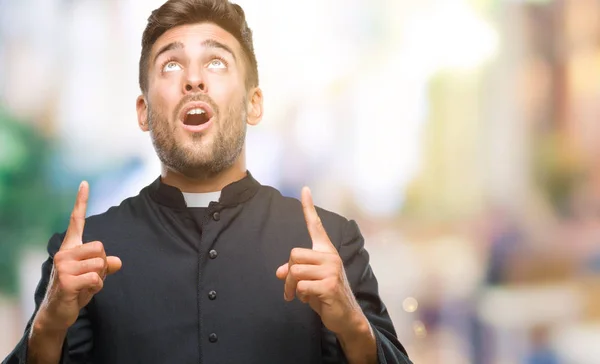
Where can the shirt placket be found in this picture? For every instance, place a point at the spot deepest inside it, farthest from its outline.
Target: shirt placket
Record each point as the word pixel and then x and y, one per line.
pixel 207 255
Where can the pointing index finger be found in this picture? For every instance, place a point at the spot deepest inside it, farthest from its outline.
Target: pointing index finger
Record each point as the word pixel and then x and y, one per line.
pixel 313 222
pixel 74 233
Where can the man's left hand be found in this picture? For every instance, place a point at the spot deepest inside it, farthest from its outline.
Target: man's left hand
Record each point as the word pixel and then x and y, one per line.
pixel 317 277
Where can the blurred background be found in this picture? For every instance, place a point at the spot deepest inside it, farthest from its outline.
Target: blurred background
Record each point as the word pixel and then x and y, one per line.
pixel 463 136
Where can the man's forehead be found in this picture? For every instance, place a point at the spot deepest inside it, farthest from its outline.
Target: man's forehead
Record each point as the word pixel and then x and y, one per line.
pixel 195 34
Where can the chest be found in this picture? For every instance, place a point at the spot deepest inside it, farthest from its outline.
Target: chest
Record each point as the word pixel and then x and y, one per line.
pixel 192 282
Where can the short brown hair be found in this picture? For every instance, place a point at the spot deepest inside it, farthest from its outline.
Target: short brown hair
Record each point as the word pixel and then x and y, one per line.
pixel 173 13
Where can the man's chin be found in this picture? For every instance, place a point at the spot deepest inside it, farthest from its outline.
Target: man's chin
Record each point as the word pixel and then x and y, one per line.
pixel 204 171
pixel 198 165
pixel 196 142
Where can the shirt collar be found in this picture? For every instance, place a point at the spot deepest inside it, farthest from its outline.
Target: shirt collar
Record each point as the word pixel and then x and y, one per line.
pixel 200 199
pixel 233 194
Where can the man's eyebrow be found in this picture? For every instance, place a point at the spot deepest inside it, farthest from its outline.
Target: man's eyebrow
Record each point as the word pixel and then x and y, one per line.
pixel 168 47
pixel 211 43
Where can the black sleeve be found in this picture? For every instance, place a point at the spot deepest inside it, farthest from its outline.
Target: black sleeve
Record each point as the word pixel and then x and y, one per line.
pixel 78 343
pixel 365 288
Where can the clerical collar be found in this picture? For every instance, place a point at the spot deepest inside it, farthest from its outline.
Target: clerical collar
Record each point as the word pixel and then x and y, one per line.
pixel 200 199
pixel 231 195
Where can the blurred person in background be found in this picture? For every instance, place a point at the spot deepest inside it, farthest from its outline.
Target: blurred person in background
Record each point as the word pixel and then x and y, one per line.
pixel 542 352
pixel 200 250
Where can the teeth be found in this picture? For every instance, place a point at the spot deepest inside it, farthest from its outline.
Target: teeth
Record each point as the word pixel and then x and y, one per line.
pixel 196 111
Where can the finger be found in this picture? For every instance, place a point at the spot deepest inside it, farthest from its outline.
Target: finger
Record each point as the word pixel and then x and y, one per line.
pixel 309 256
pixel 282 271
pixel 74 233
pixel 303 298
pixel 316 230
pixel 94 290
pixel 298 273
pixel 77 268
pixel 289 288
pixel 309 272
pixel 114 265
pixel 90 281
pixel 94 249
pixel 313 288
pixel 301 256
pixel 96 284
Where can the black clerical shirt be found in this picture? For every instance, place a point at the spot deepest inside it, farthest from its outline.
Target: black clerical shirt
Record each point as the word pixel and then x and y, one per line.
pixel 199 286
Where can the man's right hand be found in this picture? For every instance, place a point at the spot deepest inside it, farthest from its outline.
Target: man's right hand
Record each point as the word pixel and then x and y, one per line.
pixel 78 273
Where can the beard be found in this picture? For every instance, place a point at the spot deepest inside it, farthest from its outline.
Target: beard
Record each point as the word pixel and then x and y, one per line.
pixel 196 157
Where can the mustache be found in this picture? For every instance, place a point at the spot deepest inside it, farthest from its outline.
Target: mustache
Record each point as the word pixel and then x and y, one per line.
pixel 192 98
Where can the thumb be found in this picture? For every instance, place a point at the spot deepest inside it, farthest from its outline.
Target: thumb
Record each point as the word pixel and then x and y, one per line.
pixel 282 271
pixel 114 264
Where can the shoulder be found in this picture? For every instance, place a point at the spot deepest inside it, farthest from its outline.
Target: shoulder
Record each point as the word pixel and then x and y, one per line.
pixel 286 208
pixel 120 214
pixel 293 205
pixel 115 219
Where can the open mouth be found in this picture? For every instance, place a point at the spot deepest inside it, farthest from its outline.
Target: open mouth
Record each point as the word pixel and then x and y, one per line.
pixel 195 115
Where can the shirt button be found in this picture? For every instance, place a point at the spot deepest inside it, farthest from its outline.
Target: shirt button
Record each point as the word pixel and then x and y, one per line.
pixel 212 295
pixel 216 216
pixel 212 254
pixel 213 338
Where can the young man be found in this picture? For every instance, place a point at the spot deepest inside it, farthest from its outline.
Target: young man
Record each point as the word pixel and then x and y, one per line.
pixel 211 260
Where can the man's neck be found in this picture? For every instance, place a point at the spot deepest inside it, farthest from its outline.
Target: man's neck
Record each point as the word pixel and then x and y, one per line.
pixel 201 185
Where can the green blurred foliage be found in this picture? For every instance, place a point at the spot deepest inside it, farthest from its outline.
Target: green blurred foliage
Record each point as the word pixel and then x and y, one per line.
pixel 30 211
pixel 558 169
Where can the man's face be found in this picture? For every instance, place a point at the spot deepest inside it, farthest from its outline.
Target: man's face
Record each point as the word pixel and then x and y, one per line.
pixel 196 105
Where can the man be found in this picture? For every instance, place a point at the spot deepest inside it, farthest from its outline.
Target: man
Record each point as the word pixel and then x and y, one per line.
pixel 211 260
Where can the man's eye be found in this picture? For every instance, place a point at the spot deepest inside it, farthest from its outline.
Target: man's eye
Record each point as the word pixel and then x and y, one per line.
pixel 217 63
pixel 171 66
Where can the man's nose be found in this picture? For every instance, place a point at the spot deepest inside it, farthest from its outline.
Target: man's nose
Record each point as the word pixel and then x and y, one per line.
pixel 194 82
pixel 193 87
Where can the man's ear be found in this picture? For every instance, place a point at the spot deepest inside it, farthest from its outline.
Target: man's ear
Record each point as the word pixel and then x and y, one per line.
pixel 142 112
pixel 254 108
